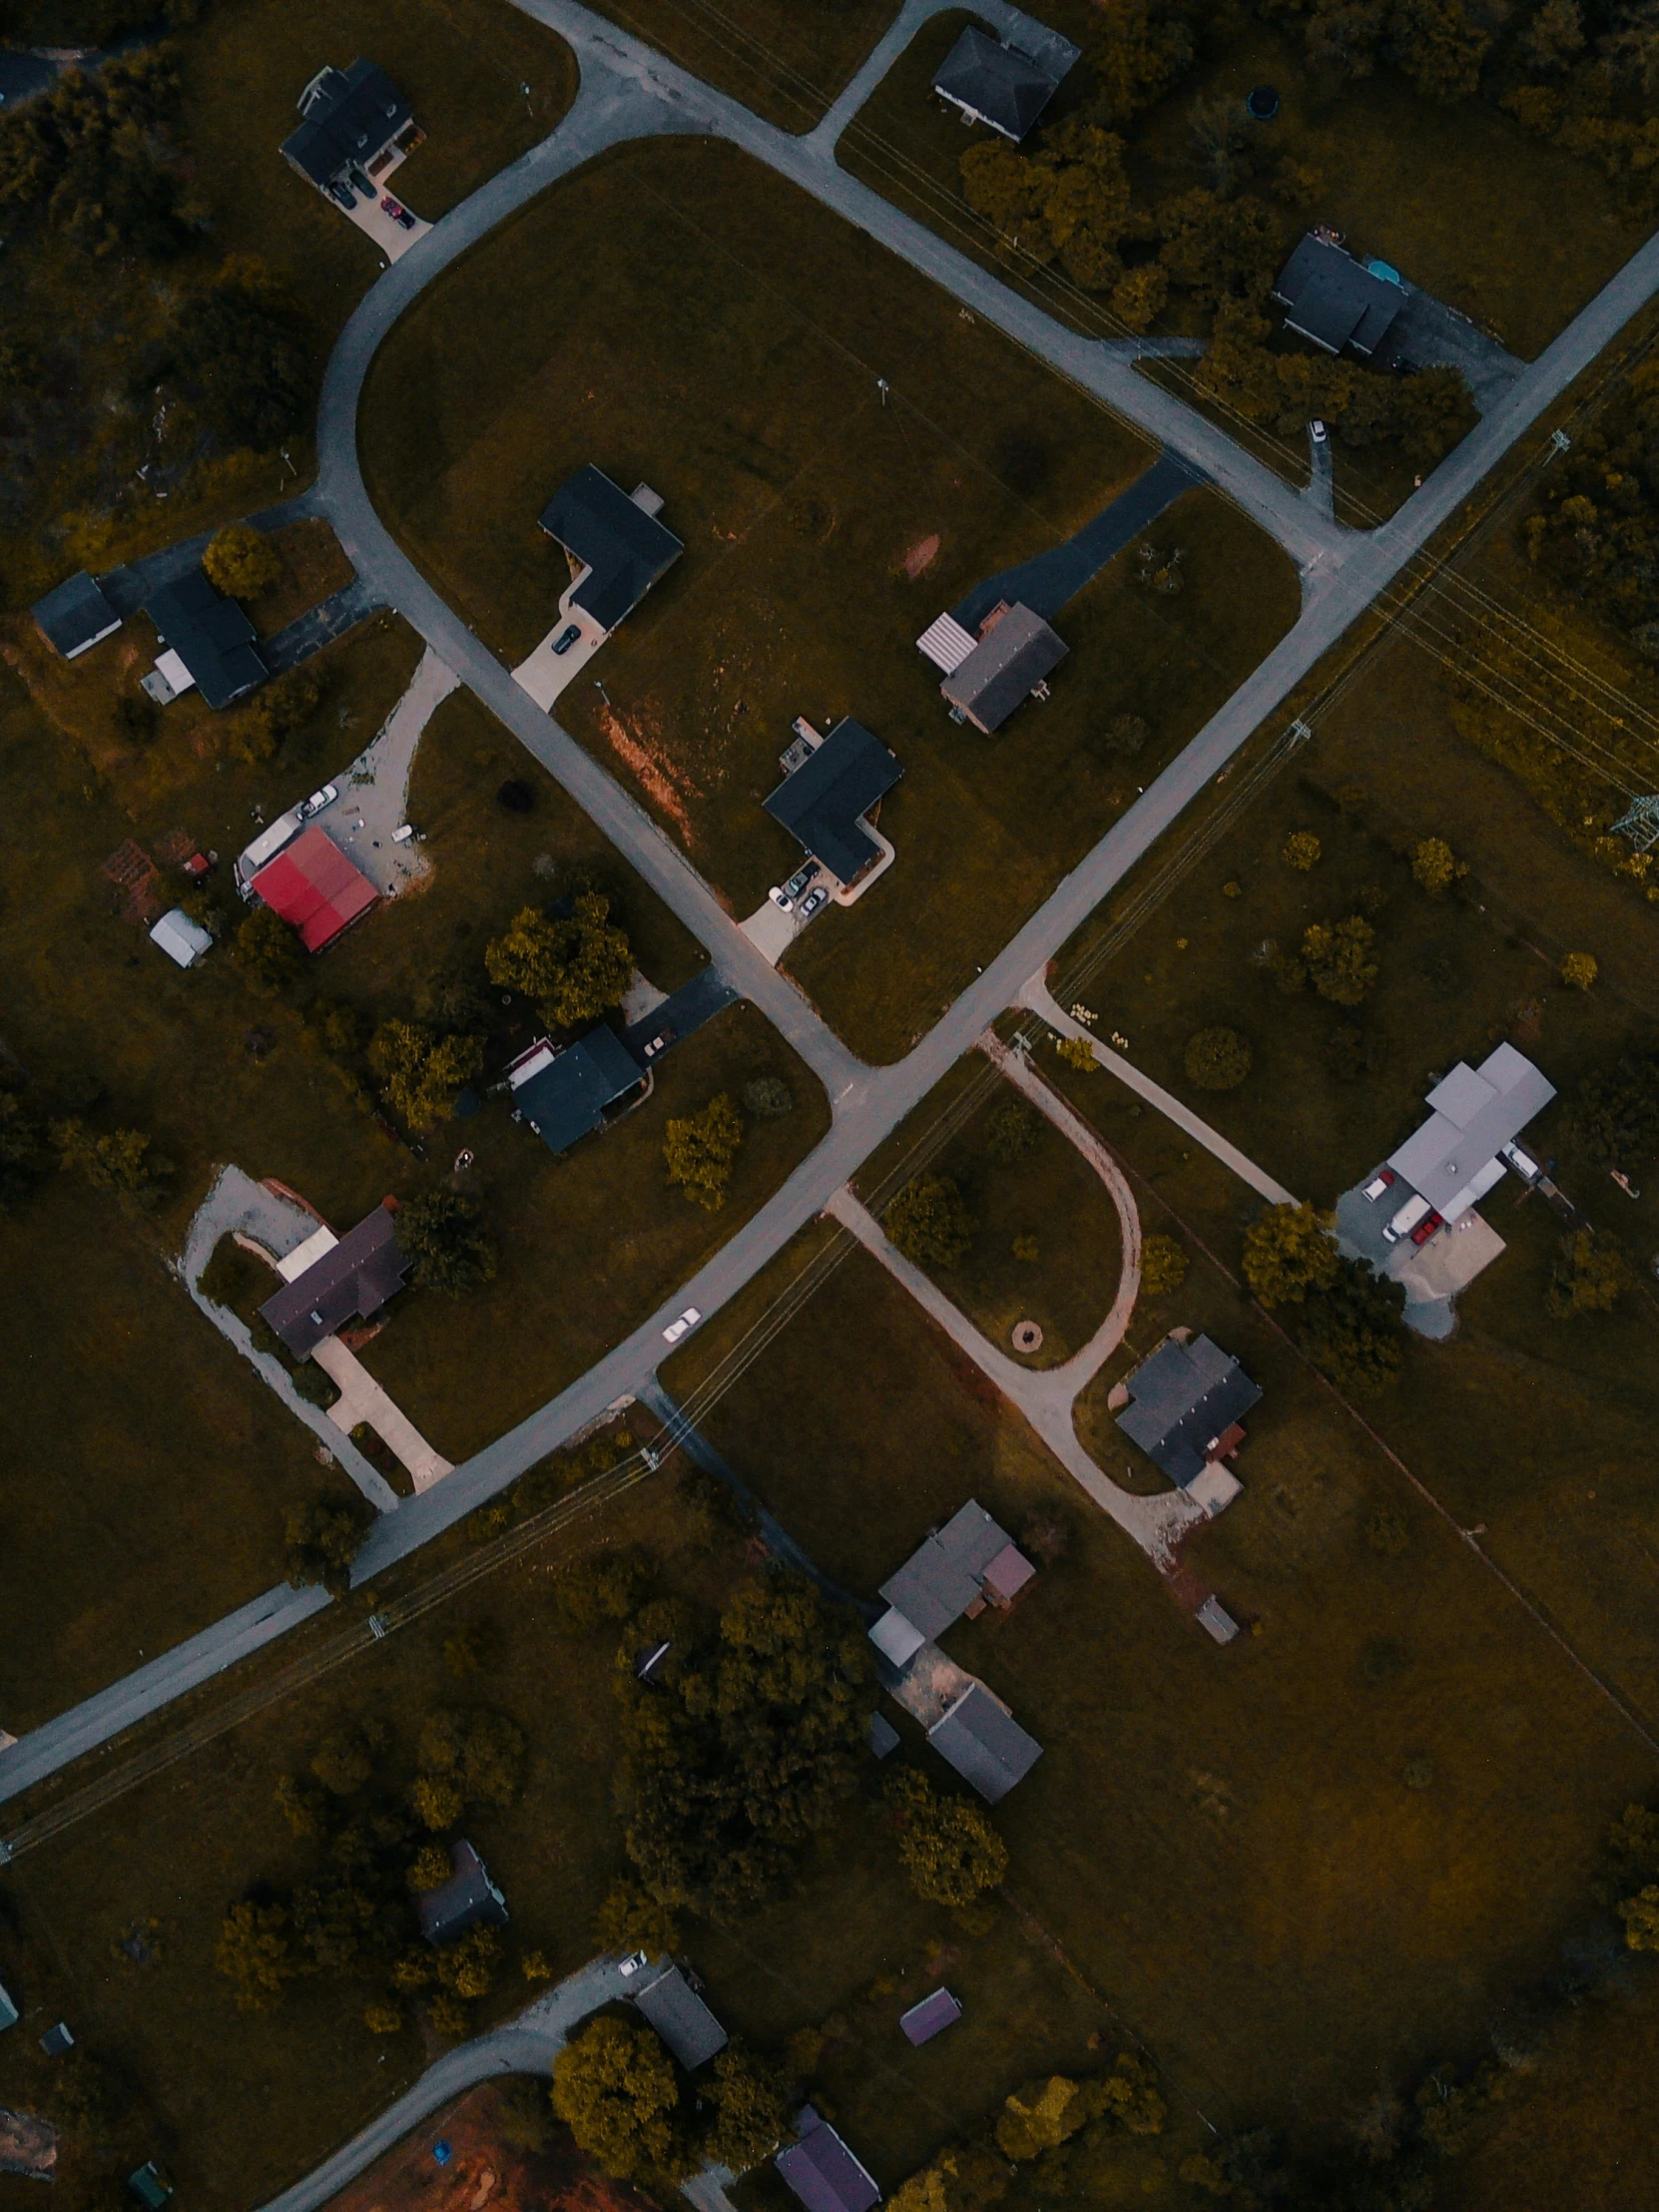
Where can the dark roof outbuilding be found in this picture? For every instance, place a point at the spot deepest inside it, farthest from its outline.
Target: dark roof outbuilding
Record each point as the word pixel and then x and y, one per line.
pixel 569 1095
pixel 74 616
pixel 211 636
pixel 821 802
pixel 822 2172
pixel 1000 85
pixel 681 2018
pixel 352 1280
pixel 1334 300
pixel 350 115
pixel 620 542
pixel 468 1897
pixel 1006 665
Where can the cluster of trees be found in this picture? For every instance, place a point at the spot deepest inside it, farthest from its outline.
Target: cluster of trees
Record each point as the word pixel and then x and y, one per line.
pixel 448 1240
pixel 700 1151
pixel 118 1160
pixel 1614 1116
pixel 374 1828
pixel 237 344
pixel 1591 1274
pixel 1595 530
pixel 1336 957
pixel 749 1733
pixel 423 1073
pixel 95 158
pixel 1585 75
pixel 946 1845
pixel 277 709
pixel 1068 2134
pixel 929 1221
pixel 618 2092
pixel 575 966
pixel 1348 1318
pixel 321 1536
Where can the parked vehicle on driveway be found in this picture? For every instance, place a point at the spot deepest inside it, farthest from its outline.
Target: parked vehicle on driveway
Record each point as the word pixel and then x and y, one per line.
pixel 567 638
pixel 1430 1225
pixel 1414 1210
pixel 1384 1180
pixel 317 801
pixel 344 197
pixel 396 210
pixel 813 902
pixel 660 1042
pixel 1317 432
pixel 677 1328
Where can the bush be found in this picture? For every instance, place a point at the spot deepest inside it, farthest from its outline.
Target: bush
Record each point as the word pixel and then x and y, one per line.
pixel 1288 1252
pixel 268 952
pixel 1217 1060
pixel 1591 1274
pixel 1387 1532
pixel 1126 735
pixel 1336 958
pixel 447 1239
pixel 1077 1054
pixel 1433 866
pixel 767 1098
pixel 1301 850
pixel 381 2018
pixel 322 1538
pixel 948 1847
pixel 929 1222
pixel 1579 971
pixel 1164 1265
pixel 242 562
pixel 1011 1131
pixel 607 1586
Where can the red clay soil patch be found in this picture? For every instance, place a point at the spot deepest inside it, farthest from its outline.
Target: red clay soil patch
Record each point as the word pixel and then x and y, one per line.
pixel 658 776
pixel 921 556
pixel 485 2173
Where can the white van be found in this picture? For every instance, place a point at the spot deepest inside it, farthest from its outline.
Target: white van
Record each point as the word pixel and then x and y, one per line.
pixel 1415 1210
pixel 266 846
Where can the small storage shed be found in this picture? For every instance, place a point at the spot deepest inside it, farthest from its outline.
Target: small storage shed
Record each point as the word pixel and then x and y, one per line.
pixel 822 2172
pixel 75 617
pixel 928 2018
pixel 468 1897
pixel 681 2018
pixel 181 939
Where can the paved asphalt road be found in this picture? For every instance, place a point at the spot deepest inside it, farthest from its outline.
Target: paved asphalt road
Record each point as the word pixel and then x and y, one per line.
pixel 627 90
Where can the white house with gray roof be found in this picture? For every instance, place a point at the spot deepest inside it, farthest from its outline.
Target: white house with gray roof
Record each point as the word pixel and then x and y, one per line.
pixel 1452 1160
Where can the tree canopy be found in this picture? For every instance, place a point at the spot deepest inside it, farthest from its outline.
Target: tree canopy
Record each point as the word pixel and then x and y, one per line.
pixel 241 561
pixel 1615 1116
pixel 1288 1252
pixel 1217 1060
pixel 614 2088
pixel 1590 1275
pixel 323 1535
pixel 948 1847
pixel 1352 1327
pixel 237 343
pixel 269 952
pixel 448 1241
pixel 698 1151
pixel 749 1736
pixel 929 1222
pixel 576 968
pixel 423 1073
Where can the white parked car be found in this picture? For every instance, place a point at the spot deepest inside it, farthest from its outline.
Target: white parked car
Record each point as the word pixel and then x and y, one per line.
pixel 632 1964
pixel 677 1328
pixel 317 801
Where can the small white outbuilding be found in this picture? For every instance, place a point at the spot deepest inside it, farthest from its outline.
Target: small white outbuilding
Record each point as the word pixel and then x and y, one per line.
pixel 181 939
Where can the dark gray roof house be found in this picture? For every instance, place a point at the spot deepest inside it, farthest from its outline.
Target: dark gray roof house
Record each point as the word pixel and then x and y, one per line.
pixel 468 1897
pixel 8 2011
pixel 824 802
pixel 1335 301
pixel 351 1281
pixel 943 1577
pixel 74 616
pixel 1007 86
pixel 565 1093
pixel 351 117
pixel 616 537
pixel 822 2172
pixel 982 1739
pixel 1186 1402
pixel 681 2018
pixel 211 636
pixel 1012 662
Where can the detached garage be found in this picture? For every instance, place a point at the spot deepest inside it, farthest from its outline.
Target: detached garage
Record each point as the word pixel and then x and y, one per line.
pixel 312 884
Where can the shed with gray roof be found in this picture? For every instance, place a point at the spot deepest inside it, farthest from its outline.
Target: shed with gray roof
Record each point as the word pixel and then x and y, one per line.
pixel 1012 662
pixel 75 617
pixel 681 2018
pixel 822 2172
pixel 982 1739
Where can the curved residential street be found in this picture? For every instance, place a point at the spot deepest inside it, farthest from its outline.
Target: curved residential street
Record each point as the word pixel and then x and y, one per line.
pixel 628 91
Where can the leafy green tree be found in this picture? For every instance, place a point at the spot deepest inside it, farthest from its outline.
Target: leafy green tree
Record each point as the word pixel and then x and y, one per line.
pixel 751 2111
pixel 448 1241
pixel 1352 1327
pixel 1640 1915
pixel 343 1762
pixel 437 1801
pixel 1591 1274
pixel 1146 46
pixel 1164 1265
pixel 423 1074
pixel 1440 46
pixel 492 1760
pixel 467 1966
pixel 269 952
pixel 1217 1060
pixel 242 562
pixel 576 968
pixel 381 2018
pixel 1336 956
pixel 1077 1054
pixel 948 1847
pixel 121 1160
pixel 631 1918
pixel 607 1586
pixel 614 2088
pixel 698 1151
pixel 429 1869
pixel 1579 971
pixel 929 1222
pixel 1615 1116
pixel 239 342
pixel 746 1744
pixel 1288 1252
pixel 1301 850
pixel 450 2016
pixel 256 1954
pixel 323 1535
pixel 1434 864
pixel 1011 1131
pixel 95 156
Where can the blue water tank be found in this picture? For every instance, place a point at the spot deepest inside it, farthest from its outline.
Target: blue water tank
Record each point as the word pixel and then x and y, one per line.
pixel 1388 276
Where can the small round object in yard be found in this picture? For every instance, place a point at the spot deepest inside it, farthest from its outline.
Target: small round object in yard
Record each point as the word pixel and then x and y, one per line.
pixel 1027 1337
pixel 1261 105
pixel 516 795
pixel 442 2152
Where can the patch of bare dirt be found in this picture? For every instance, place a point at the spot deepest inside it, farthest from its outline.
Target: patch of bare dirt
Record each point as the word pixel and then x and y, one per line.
pixel 921 556
pixel 639 746
pixel 485 2172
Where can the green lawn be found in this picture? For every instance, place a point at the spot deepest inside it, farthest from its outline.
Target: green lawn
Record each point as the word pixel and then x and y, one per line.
pixel 749 401
pixel 1050 1195
pixel 462 64
pixel 216 1074
pixel 1221 1840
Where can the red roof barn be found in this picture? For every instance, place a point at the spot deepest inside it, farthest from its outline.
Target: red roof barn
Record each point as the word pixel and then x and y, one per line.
pixel 312 884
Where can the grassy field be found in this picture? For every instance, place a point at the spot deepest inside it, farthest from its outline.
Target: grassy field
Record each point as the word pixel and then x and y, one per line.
pixel 787 63
pixel 239 2105
pixel 462 64
pixel 98 1019
pixel 1223 1842
pixel 1049 1197
pixel 752 407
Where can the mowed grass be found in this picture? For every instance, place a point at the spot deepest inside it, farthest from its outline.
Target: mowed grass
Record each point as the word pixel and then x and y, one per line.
pixel 750 401
pixel 214 1074
pixel 1223 1841
pixel 241 2105
pixel 1049 1197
